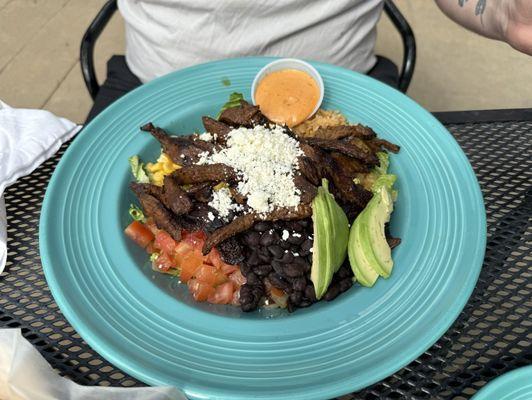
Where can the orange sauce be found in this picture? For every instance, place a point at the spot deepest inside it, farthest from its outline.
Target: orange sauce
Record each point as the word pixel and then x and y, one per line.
pixel 287 96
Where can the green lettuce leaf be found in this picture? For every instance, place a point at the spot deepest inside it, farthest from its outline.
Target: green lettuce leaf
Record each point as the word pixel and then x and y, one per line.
pixel 137 169
pixel 234 101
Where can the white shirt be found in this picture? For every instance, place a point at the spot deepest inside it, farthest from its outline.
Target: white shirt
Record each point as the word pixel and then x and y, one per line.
pixel 165 35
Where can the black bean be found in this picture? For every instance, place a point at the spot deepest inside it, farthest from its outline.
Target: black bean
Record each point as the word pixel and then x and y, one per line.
pixel 262 226
pixel 345 284
pixel 276 251
pixel 245 269
pixel 277 267
pixel 310 293
pixel 253 259
pixel 299 284
pixel 290 307
pixel 252 238
pixel 305 303
pixel 293 270
pixel 284 245
pixel 278 281
pixel 303 252
pixel 253 279
pixel 262 270
pixel 307 244
pixel 287 257
pixel 264 257
pixel 250 296
pixel 298 239
pixel 332 292
pixel 231 251
pixel 309 259
pixel 266 239
pixel 344 272
pixel 296 297
pixel 302 262
pixel 304 223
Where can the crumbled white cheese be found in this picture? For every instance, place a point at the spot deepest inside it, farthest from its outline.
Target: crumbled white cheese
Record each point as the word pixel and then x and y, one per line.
pixel 311 250
pixel 295 254
pixel 206 137
pixel 295 234
pixel 210 215
pixel 265 160
pixel 222 202
pixel 285 234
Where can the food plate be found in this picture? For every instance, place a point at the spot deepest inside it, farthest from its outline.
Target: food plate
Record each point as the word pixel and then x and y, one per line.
pixel 147 324
pixel 514 385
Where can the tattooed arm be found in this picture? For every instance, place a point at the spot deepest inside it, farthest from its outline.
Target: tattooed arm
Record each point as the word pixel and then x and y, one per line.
pixel 506 20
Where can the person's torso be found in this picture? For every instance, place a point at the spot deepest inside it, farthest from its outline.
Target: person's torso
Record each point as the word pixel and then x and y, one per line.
pixel 165 35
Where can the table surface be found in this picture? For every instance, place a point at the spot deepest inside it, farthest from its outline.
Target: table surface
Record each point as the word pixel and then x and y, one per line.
pixel 492 335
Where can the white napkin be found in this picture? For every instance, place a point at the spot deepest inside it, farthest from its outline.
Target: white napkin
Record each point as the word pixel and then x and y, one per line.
pixel 27 139
pixel 25 375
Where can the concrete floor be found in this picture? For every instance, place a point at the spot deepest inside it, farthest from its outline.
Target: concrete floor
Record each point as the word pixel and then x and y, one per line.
pixel 456 69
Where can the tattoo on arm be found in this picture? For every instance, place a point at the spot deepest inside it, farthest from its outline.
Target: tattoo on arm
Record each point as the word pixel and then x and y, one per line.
pixel 479 9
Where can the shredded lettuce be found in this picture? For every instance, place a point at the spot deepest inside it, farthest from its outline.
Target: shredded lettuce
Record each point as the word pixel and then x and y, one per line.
pixel 136 213
pixel 384 162
pixel 234 101
pixel 138 171
pixel 381 175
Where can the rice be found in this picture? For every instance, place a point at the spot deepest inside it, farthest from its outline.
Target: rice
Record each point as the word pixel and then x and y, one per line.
pixel 322 119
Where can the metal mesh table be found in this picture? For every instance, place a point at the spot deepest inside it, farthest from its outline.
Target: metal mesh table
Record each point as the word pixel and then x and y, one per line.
pixel 492 335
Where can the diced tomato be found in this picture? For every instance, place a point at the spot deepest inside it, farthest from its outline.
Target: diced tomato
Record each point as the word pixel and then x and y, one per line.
pixel 189 265
pixel 237 278
pixel 214 258
pixel 163 263
pixel 196 239
pixel 165 242
pixel 206 274
pixel 150 248
pixel 200 291
pixel 228 269
pixel 137 232
pixel 223 294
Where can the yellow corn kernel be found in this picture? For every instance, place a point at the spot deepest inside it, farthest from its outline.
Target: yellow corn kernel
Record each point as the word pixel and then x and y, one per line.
pixel 153 167
pixel 220 186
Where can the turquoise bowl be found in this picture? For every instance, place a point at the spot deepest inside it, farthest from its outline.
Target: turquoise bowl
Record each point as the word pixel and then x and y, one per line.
pixel 514 385
pixel 146 323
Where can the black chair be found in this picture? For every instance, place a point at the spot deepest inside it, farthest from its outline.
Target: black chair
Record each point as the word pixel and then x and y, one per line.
pixel 107 11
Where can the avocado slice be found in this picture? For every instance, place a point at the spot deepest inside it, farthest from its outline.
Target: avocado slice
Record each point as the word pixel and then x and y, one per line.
pixel 357 249
pixel 369 252
pixel 331 232
pixel 376 219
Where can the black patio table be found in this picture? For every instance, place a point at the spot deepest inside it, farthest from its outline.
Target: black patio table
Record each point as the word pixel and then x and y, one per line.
pixel 492 335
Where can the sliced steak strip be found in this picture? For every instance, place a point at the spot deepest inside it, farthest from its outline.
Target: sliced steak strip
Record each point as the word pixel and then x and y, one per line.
pixel 155 191
pixel 239 224
pixel 309 170
pixel 174 197
pixel 339 132
pixel 387 145
pixel 181 149
pixel 204 173
pixel 393 242
pixel 348 165
pixel 350 149
pixel 246 221
pixel 307 190
pixel 163 218
pixel 217 128
pixel 349 191
pixel 245 115
pixel 199 191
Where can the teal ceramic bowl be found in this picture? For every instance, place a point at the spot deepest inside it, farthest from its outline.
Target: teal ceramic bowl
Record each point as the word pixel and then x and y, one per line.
pixel 147 324
pixel 514 385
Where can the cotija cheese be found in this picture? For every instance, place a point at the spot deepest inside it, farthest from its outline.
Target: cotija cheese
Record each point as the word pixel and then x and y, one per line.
pixel 265 160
